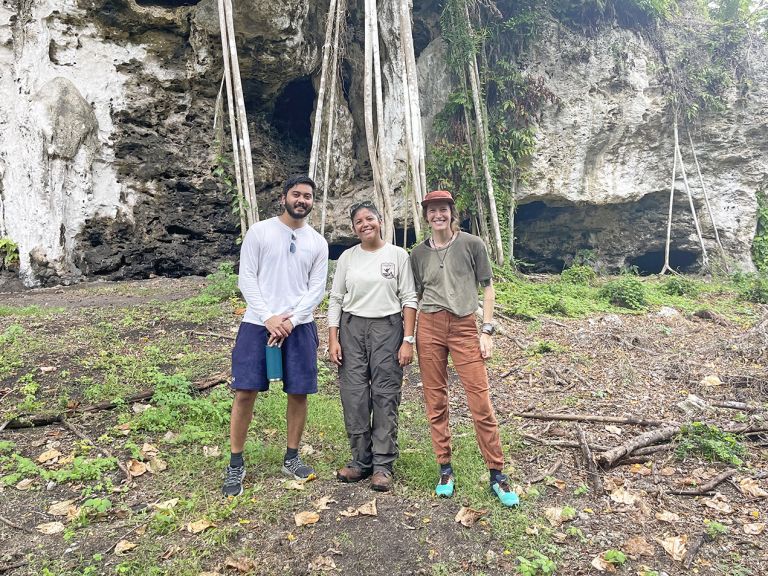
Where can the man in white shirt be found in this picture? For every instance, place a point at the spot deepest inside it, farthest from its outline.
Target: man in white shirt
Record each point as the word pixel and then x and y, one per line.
pixel 283 269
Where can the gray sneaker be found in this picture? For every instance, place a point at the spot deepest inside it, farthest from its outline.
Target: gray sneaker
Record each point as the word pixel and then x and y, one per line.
pixel 298 470
pixel 233 481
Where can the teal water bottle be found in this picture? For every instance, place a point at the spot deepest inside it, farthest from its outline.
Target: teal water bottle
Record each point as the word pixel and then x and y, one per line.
pixel 274 355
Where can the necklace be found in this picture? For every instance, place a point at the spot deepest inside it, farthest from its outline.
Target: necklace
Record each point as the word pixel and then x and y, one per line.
pixel 444 252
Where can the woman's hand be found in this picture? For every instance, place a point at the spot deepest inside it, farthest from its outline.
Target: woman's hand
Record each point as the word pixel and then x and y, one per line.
pixel 405 354
pixel 334 351
pixel 486 346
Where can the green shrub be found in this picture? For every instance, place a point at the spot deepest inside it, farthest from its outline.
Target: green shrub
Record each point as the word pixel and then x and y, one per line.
pixel 709 442
pixel 9 252
pixel 222 284
pixel 680 286
pixel 626 291
pixel 538 564
pixel 754 288
pixel 580 274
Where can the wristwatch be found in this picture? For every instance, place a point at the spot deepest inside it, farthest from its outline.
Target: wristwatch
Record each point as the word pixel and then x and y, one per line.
pixel 488 329
pixel 409 339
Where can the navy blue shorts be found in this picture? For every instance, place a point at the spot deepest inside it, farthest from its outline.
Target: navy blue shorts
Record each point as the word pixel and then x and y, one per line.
pixel 249 366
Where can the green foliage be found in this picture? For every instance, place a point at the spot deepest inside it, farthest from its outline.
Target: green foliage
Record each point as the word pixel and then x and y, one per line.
pixel 578 274
pixel 81 469
pixel 680 286
pixel 753 287
pixel 6 446
pixel 760 243
pixel 9 252
pixel 709 442
pixel 222 284
pixel 626 291
pixel 715 529
pixel 545 347
pixel 615 557
pixel 536 565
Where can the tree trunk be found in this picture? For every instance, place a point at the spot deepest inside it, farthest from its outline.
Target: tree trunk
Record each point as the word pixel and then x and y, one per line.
pixel 705 257
pixel 484 234
pixel 667 267
pixel 370 138
pixel 512 208
pixel 318 127
pixel 414 108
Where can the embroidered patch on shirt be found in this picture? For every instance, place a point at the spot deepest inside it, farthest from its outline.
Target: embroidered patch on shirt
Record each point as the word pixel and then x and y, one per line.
pixel 388 270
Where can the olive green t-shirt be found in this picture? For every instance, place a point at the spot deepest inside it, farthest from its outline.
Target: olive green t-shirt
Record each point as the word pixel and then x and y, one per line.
pixel 447 278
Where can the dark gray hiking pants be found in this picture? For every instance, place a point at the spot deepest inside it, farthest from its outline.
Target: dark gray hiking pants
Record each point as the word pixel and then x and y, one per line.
pixel 370 381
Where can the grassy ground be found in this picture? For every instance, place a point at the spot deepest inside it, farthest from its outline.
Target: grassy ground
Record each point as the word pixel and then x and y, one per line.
pixel 574 343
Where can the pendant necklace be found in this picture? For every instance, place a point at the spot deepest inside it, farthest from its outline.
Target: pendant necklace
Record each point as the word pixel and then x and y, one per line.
pixel 445 252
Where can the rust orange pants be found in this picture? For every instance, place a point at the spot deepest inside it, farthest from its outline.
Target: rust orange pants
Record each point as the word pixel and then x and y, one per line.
pixel 437 335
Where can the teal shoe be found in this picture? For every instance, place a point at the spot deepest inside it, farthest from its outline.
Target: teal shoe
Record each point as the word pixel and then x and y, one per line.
pixel 506 495
pixel 444 487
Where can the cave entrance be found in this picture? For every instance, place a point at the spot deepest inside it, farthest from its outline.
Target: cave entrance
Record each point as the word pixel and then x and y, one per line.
pixel 652 262
pixel 167 3
pixel 292 114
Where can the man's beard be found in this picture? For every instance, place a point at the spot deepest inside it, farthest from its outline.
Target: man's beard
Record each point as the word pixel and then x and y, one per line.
pixel 295 215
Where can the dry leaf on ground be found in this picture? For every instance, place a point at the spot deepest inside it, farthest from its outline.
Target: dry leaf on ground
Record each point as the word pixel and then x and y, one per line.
pixel 211 451
pixel 209 574
pixel 675 546
pixel 306 518
pixel 614 430
pixel 171 551
pixel 167 505
pixel 241 564
pixel 750 487
pixel 48 456
pixel 149 451
pixel 754 528
pixel 711 381
pixel 668 471
pixel 350 512
pixel 322 564
pixel 555 516
pixel 369 508
pixel 638 546
pixel 468 516
pixel 640 469
pixel 322 503
pixel 50 527
pixel 623 496
pixel 307 450
pixel 199 525
pixel 25 484
pixel 156 465
pixel 718 502
pixel 124 546
pixel 294 485
pixel 667 516
pixel 555 482
pixel 601 564
pixel 60 508
pixel 136 468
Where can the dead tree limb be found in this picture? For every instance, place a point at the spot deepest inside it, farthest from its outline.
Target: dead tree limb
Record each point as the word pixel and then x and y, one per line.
pixel 708 486
pixel 732 404
pixel 551 471
pixel 693 550
pixel 590 418
pixel 7 522
pixel 83 436
pixel 565 443
pixel 9 567
pixel 47 419
pixel 593 476
pixel 609 458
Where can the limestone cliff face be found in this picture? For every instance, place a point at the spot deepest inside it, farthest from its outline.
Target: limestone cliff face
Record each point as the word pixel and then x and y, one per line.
pixel 107 138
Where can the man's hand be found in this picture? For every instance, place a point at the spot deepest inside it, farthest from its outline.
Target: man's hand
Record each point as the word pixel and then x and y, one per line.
pixel 405 354
pixel 279 326
pixel 486 346
pixel 334 351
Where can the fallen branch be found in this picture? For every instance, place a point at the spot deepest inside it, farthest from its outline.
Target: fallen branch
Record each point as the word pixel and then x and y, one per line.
pixel 590 418
pixel 609 458
pixel 732 404
pixel 80 434
pixel 708 486
pixel 47 419
pixel 694 549
pixel 565 443
pixel 651 450
pixel 593 476
pixel 13 566
pixel 7 522
pixel 551 471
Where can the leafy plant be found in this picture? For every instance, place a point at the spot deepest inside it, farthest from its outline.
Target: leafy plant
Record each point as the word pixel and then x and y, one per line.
pixel 754 288
pixel 615 557
pixel 222 284
pixel 545 347
pixel 709 442
pixel 626 291
pixel 760 242
pixel 715 529
pixel 578 274
pixel 538 564
pixel 680 286
pixel 9 252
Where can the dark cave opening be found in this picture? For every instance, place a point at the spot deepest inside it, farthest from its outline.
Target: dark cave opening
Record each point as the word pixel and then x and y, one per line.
pixel 652 262
pixel 292 114
pixel 167 3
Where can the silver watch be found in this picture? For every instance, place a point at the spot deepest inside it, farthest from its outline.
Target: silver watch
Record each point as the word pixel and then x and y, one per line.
pixel 488 328
pixel 409 339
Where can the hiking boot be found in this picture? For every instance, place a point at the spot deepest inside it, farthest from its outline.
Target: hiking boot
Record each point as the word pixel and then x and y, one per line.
pixel 296 469
pixel 381 481
pixel 504 491
pixel 445 485
pixel 233 481
pixel 350 474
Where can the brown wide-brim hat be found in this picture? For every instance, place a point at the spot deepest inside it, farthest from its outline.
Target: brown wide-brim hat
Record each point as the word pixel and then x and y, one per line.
pixel 437 196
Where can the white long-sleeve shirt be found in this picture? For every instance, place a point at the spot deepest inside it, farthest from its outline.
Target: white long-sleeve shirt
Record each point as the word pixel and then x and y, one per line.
pixel 275 280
